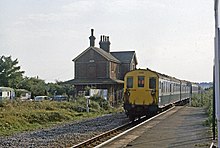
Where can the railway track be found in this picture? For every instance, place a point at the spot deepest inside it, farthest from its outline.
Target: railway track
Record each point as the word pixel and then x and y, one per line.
pixel 97 140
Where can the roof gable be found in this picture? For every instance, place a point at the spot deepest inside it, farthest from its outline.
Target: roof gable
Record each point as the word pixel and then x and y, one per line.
pixel 103 53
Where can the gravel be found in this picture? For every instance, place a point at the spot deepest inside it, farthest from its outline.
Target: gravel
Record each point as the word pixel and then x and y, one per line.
pixel 65 135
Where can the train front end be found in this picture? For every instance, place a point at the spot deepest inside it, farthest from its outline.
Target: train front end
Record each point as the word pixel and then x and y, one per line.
pixel 140 93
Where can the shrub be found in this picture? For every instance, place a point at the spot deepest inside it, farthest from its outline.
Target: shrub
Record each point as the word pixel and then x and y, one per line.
pixel 104 104
pixel 205 100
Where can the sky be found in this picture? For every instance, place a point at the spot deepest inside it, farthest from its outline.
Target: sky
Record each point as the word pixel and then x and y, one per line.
pixel 174 37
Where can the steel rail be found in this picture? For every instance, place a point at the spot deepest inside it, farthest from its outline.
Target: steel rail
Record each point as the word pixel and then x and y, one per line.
pixel 102 137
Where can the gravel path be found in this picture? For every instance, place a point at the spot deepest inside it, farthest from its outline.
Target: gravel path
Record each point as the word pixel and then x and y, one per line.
pixel 65 135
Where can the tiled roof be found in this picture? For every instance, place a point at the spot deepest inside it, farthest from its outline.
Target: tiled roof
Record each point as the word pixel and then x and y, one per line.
pixel 105 54
pixel 124 56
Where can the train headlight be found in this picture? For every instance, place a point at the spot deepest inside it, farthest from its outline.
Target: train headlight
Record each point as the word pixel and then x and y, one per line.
pixel 153 92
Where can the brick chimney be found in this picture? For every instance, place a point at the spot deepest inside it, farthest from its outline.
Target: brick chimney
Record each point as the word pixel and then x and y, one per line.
pixel 92 38
pixel 105 43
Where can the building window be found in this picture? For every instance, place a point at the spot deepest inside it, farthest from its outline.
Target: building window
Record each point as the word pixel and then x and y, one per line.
pixel 129 82
pixel 0 94
pixel 152 83
pixel 140 81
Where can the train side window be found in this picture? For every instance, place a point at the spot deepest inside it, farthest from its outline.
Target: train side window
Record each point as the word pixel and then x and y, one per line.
pixel 140 81
pixel 129 82
pixel 165 87
pixel 152 83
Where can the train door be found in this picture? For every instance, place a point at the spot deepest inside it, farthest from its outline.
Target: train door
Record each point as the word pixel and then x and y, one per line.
pixel 152 88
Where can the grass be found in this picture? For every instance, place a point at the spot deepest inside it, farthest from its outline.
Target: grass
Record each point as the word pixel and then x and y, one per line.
pixel 205 100
pixel 17 116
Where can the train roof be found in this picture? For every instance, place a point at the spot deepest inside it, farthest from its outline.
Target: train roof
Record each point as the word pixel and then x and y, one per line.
pixel 160 75
pixel 163 75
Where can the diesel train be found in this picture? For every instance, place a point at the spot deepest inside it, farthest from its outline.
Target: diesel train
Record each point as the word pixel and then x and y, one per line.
pixel 147 91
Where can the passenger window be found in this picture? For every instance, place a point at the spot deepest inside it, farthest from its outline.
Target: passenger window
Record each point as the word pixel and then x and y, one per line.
pixel 152 83
pixel 140 81
pixel 129 82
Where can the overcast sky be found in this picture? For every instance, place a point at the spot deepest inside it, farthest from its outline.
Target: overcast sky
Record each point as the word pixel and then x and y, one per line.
pixel 173 37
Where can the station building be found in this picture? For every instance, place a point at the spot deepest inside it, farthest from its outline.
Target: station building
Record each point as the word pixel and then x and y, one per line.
pixel 99 68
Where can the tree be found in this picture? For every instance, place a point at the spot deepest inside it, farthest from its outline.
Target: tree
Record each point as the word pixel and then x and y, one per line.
pixel 36 86
pixel 60 88
pixel 10 73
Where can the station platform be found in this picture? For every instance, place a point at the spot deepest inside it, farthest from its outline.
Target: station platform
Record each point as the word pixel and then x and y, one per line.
pixel 181 127
pixel 184 129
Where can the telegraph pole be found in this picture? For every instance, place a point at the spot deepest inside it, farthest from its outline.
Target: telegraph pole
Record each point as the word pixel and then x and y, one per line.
pixel 217 69
pixel 213 106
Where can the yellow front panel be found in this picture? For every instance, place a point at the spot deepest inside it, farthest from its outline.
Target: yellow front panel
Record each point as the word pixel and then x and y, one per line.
pixel 142 95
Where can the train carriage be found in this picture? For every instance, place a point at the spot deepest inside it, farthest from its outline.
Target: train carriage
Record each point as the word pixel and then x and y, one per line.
pixel 194 88
pixel 146 91
pixel 185 90
pixel 169 90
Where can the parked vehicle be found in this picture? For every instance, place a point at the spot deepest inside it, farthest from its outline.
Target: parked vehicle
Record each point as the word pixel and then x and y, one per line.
pixel 60 98
pixel 41 98
pixel 6 93
pixel 23 94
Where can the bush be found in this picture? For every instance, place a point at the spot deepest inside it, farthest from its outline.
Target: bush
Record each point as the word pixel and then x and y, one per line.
pixel 104 104
pixel 205 100
pixel 94 105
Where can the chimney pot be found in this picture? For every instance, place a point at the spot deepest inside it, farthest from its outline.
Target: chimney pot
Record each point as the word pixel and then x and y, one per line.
pixel 105 43
pixel 92 38
pixel 92 30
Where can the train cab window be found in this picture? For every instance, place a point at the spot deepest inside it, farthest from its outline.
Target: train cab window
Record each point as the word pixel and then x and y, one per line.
pixel 129 82
pixel 152 83
pixel 140 81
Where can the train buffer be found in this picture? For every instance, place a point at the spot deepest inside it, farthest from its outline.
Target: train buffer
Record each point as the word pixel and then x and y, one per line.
pixel 182 127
